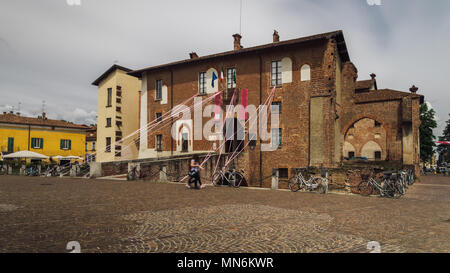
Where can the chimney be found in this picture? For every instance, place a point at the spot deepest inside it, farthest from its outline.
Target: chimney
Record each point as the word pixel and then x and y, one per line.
pixel 373 76
pixel 237 41
pixel 193 55
pixel 276 37
pixel 413 89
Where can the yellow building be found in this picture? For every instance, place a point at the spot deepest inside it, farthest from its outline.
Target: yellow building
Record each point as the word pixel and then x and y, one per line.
pixel 117 115
pixel 42 135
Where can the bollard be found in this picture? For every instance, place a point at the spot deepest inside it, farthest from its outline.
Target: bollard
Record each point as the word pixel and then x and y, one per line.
pixel 73 171
pixel 162 174
pixel 275 175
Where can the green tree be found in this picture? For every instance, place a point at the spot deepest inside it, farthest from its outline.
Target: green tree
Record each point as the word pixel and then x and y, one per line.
pixel 444 150
pixel 427 138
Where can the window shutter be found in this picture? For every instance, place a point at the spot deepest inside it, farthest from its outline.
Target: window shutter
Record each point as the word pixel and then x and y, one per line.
pixel 42 143
pixel 61 144
pixel 70 144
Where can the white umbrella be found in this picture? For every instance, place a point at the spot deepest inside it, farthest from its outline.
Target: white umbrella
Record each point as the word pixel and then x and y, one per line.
pixel 26 154
pixel 72 157
pixel 57 157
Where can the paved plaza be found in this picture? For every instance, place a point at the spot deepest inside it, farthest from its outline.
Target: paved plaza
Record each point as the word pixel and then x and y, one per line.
pixel 44 214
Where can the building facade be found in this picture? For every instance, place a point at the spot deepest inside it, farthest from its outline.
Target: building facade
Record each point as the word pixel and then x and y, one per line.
pixel 42 135
pixel 325 112
pixel 117 115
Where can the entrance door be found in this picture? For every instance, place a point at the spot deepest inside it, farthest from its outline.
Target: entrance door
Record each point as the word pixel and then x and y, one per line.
pixel 185 142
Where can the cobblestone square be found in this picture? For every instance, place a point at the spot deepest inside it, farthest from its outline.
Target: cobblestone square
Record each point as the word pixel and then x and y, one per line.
pixel 44 214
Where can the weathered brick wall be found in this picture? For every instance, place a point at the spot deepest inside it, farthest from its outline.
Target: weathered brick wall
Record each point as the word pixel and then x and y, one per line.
pixel 253 70
pixel 294 96
pixel 114 168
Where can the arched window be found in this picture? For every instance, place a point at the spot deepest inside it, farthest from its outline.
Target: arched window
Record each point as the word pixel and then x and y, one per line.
pixel 349 150
pixel 371 150
pixel 305 73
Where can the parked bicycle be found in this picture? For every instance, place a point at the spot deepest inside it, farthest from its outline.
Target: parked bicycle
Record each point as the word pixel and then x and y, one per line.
pixel 31 171
pixel 298 182
pixel 392 184
pixel 230 177
pixel 3 170
pixel 135 174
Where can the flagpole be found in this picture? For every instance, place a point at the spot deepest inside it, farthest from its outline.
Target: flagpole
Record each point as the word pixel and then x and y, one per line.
pixel 240 19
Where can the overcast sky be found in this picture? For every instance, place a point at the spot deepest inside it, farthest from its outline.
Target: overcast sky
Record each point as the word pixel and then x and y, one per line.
pixel 51 51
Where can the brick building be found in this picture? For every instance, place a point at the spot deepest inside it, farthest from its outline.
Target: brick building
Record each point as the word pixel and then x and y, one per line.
pixel 326 114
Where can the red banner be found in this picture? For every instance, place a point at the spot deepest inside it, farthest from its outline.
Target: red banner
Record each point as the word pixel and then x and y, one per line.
pixel 217 105
pixel 244 102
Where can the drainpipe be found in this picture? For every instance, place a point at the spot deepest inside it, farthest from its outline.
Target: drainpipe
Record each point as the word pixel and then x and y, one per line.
pixel 29 133
pixel 171 107
pixel 260 102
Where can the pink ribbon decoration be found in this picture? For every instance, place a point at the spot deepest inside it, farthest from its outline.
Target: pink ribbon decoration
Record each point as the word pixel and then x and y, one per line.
pixel 443 142
pixel 244 102
pixel 217 105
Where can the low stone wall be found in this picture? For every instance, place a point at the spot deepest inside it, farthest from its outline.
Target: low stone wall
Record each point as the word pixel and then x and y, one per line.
pixel 114 168
pixel 162 169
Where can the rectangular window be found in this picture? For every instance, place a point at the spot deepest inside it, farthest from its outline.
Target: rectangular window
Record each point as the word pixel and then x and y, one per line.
pixel 158 117
pixel 378 155
pixel 202 83
pixel 118 109
pixel 93 146
pixel 276 109
pixel 108 145
pixel 10 144
pixel 377 124
pixel 109 98
pixel 158 88
pixel 283 173
pixel 108 122
pixel 276 73
pixel 37 143
pixel 276 137
pixel 159 142
pixel 231 78
pixel 65 144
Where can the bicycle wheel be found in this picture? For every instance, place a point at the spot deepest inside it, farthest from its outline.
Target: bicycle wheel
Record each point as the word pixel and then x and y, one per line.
pixel 388 189
pixel 217 179
pixel 236 179
pixel 365 188
pixel 293 184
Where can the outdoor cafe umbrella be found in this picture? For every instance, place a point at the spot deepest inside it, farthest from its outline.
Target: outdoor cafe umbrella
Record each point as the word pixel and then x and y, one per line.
pixel 26 154
pixel 72 157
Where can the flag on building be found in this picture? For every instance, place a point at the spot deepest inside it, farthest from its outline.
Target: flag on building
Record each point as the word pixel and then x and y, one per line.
pixel 214 77
pixel 217 105
pixel 221 75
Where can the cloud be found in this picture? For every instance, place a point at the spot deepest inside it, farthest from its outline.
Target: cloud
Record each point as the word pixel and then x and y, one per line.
pixel 57 50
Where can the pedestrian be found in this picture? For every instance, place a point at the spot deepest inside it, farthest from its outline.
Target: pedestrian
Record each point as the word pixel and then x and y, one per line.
pixel 194 174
